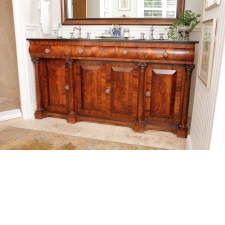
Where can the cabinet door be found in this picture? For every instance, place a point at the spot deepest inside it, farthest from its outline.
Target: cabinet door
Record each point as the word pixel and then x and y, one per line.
pixel 91 87
pixel 163 93
pixel 123 83
pixel 54 80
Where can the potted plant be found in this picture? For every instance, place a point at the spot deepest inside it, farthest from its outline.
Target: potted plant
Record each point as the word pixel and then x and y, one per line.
pixel 184 25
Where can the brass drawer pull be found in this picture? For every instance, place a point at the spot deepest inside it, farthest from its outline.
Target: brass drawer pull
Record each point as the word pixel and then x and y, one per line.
pixel 148 94
pixel 125 52
pixel 107 91
pixel 67 87
pixel 80 51
pixel 47 50
pixel 165 54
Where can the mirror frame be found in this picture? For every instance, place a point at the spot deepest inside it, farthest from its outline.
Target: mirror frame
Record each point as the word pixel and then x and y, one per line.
pixel 122 21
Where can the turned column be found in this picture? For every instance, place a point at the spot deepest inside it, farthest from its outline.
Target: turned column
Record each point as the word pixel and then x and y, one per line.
pixel 182 132
pixel 72 114
pixel 139 126
pixel 39 112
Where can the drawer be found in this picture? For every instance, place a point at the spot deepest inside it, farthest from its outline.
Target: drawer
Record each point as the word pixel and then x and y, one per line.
pixel 104 52
pixel 84 51
pixel 47 50
pixel 166 54
pixel 127 53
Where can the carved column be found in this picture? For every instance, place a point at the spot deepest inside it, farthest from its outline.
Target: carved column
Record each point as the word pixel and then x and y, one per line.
pixel 139 126
pixel 39 112
pixel 72 114
pixel 183 126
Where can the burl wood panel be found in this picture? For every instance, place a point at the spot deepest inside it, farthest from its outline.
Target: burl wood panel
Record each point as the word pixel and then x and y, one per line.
pixel 54 80
pixel 165 86
pixel 91 85
pixel 124 90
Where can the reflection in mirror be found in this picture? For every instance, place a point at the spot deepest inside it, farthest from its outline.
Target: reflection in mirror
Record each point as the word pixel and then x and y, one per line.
pixel 152 9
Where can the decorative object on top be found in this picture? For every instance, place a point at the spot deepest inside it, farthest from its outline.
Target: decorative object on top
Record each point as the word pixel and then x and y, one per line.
pixel 45 16
pixel 161 36
pixel 142 36
pixel 209 4
pixel 55 32
pixel 116 30
pixel 60 30
pixel 184 25
pixel 126 32
pixel 151 33
pixel 79 29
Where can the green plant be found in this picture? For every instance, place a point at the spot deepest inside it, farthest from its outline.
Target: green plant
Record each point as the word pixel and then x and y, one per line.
pixel 187 18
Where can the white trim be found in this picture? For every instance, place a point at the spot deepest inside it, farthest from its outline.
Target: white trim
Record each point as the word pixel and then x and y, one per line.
pixel 188 145
pixel 11 114
pixel 23 58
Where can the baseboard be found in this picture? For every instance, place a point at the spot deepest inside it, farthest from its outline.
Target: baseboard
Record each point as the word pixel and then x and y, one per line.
pixel 188 145
pixel 11 114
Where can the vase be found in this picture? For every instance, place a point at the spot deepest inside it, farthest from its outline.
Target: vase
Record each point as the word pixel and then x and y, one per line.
pixel 183 33
pixel 117 32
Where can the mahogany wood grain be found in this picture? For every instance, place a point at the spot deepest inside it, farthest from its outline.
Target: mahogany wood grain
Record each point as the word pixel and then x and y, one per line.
pixel 55 78
pixel 72 91
pixel 124 90
pixel 123 83
pixel 140 109
pixel 182 132
pixel 39 112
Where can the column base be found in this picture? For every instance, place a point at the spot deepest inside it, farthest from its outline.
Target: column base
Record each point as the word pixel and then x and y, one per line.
pixel 139 127
pixel 71 118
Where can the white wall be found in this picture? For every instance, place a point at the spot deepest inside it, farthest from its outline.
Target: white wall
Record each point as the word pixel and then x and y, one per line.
pixel 32 15
pixel 207 128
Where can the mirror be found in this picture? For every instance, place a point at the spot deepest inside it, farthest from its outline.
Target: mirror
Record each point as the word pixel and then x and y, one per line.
pixel 145 12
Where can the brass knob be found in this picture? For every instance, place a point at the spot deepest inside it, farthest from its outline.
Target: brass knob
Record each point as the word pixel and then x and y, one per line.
pixel 125 52
pixel 107 91
pixel 80 51
pixel 47 50
pixel 67 87
pixel 148 94
pixel 165 54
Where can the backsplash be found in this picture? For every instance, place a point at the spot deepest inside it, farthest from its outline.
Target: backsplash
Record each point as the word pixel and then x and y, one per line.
pixel 34 31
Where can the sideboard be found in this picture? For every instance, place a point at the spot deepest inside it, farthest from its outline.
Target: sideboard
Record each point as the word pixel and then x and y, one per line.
pixel 142 84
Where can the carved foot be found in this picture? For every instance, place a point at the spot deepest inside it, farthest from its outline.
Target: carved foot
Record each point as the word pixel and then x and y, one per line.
pixel 139 127
pixel 40 114
pixel 182 132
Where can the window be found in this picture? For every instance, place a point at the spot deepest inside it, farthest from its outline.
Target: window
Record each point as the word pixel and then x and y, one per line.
pixel 157 8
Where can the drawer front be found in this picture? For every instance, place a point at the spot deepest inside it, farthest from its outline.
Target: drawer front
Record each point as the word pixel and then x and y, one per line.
pixel 84 51
pixel 47 51
pixel 104 52
pixel 166 54
pixel 127 53
pixel 120 52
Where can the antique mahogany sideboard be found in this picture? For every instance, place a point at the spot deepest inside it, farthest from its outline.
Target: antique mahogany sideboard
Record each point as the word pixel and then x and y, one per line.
pixel 142 84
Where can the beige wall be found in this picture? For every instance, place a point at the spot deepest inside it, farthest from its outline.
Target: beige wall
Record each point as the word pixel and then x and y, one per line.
pixel 9 84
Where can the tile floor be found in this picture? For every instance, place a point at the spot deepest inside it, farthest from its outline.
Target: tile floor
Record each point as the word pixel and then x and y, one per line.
pixel 155 139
